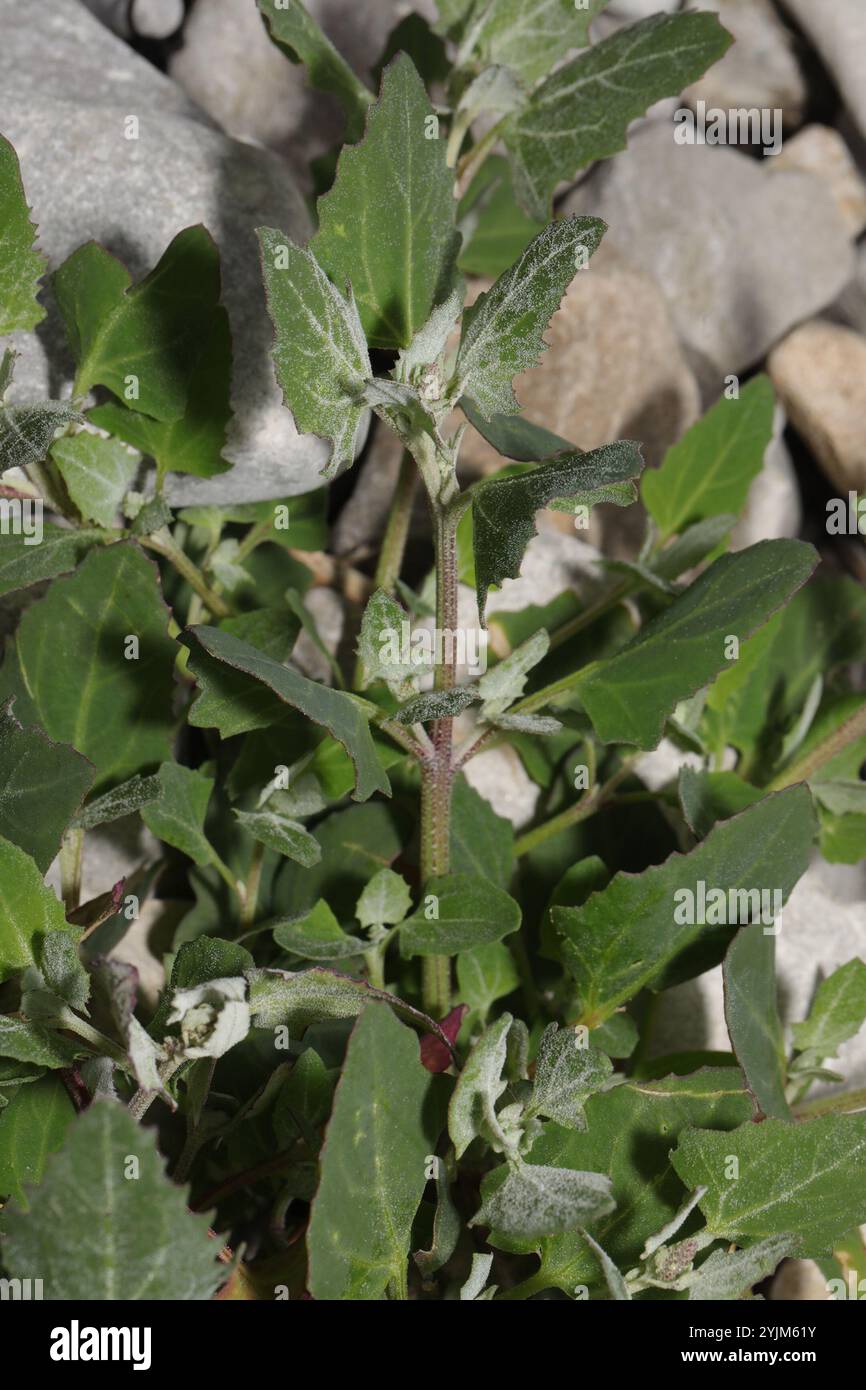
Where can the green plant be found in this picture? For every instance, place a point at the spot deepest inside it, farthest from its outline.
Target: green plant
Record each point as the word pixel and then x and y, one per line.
pixel 486 1001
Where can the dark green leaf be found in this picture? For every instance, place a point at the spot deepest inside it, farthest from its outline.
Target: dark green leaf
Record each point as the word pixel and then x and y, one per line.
pixel 356 843
pixel 711 469
pixel 73 650
pixel 177 815
pixel 58 552
pixel 317 936
pixel 381 1124
pixel 437 704
pixel 297 34
pixel 27 1041
pixel 28 910
pixel 484 975
pixel 515 437
pixel 482 842
pixel 503 510
pixel 629 696
pixel 808 1178
pixel 339 714
pixel 837 1013
pixel 497 228
pixel 32 1126
pixel 630 935
pixel 752 1016
pixel 21 266
pixel 153 332
pixel 42 784
pixel 26 431
pixel 469 912
pixel 194 443
pixel 708 797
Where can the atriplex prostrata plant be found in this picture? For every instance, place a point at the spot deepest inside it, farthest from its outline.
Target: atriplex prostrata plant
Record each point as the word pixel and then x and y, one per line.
pixel 530 1143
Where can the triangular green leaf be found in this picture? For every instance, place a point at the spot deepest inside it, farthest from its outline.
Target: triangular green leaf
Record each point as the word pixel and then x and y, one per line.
pixel 837 1013
pixel 32 1127
pixel 808 1178
pixel 470 912
pixel 58 552
pixel 194 443
pixel 97 472
pixel 28 910
pixel 73 650
pixel 42 784
pixel 387 225
pixel 141 341
pixel 317 936
pixel 711 469
pixel 177 815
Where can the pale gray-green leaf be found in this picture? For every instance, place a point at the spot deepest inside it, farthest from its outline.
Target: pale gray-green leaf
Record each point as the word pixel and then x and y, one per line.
pixel 119 1239
pixel 502 331
pixel 320 352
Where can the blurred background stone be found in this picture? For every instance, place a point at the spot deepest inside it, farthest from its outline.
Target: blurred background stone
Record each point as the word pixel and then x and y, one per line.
pixel 819 372
pixel 820 150
pixel 66 87
pixel 762 68
pixel 740 254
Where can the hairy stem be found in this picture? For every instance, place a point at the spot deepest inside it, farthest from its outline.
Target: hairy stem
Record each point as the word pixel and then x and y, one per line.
pixel 437 773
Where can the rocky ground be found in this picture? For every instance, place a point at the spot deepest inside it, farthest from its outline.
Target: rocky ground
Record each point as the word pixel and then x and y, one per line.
pixel 718 263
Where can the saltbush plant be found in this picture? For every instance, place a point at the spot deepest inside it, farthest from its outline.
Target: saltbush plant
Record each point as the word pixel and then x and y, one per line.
pixel 400 1051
